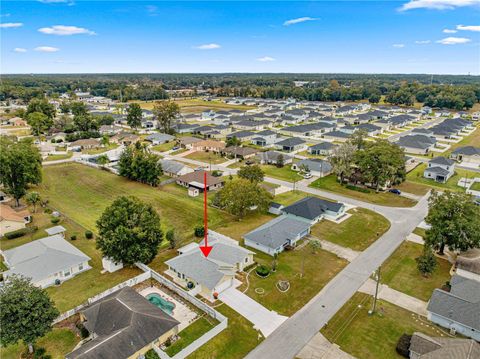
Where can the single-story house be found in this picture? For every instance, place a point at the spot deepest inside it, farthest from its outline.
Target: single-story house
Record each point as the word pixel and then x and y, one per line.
pixel 194 181
pixel 86 144
pixel 322 149
pixel 12 220
pixel 417 144
pixel 240 152
pixel 276 235
pixel 210 275
pixel 188 142
pixel 423 346
pixel 109 130
pixel 264 138
pixel 271 158
pixel 338 136
pixel 174 168
pixel 159 138
pixel 125 139
pixel 316 167
pixel 459 309
pixel 123 325
pixel 439 169
pixel 47 261
pixel 242 135
pixel 291 144
pixel 185 127
pixel 208 145
pixel 313 209
pixel 467 264
pixel 468 154
pixel 17 122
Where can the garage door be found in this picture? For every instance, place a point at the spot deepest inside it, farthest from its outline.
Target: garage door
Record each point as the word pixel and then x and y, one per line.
pixel 225 285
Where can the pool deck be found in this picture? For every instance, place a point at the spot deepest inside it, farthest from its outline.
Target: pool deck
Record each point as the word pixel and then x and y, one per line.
pixel 181 312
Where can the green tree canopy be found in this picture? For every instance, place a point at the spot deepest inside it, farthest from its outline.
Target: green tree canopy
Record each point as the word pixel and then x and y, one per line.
pixel 240 196
pixel 42 106
pixel 342 160
pixel 252 173
pixel 454 221
pixel 138 164
pixel 39 122
pixel 166 113
pixel 20 166
pixel 26 312
pixel 129 231
pixel 134 115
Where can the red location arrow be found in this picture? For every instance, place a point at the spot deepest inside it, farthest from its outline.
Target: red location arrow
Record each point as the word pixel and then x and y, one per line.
pixel 206 249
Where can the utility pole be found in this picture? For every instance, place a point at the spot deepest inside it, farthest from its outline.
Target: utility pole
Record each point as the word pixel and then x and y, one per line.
pixel 377 275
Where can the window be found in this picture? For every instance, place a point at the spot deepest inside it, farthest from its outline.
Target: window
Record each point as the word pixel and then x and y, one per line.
pixel 80 267
pixel 66 273
pixel 246 259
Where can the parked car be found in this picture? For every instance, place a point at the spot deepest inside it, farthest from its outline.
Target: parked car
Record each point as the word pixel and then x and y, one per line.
pixel 175 148
pixel 395 191
pixel 307 175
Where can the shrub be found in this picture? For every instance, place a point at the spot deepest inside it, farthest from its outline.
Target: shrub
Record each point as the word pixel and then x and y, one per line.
pixel 39 353
pixel 20 232
pixel 73 237
pixel 262 270
pixel 358 189
pixel 84 332
pixel 403 345
pixel 199 231
pixel 88 234
pixel 47 210
pixel 55 220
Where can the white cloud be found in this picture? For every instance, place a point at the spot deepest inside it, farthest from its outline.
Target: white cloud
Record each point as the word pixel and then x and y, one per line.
pixel 398 46
pixel 5 15
pixel 449 31
pixel 152 10
pixel 422 42
pixel 298 20
pixel 64 30
pixel 437 4
pixel 469 27
pixel 265 59
pixel 9 25
pixel 19 49
pixel 453 40
pixel 208 46
pixel 47 49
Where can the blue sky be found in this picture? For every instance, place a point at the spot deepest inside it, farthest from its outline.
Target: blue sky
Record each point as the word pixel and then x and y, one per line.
pixel 75 36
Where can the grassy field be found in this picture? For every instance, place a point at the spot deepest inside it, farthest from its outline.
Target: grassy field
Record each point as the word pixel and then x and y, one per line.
pixel 475 186
pixel 329 183
pixel 471 140
pixel 376 336
pixel 400 272
pixel 285 173
pixel 190 334
pixel 416 177
pixel 318 270
pixel 57 343
pixel 207 157
pixel 198 105
pixel 163 147
pixel 234 342
pixel 414 188
pixel 58 157
pixel 357 232
pixel 96 151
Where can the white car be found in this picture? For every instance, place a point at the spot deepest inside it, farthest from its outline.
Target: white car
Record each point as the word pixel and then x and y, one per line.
pixel 307 175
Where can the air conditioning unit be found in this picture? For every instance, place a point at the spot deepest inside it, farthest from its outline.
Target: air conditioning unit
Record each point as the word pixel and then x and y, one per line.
pixel 453 331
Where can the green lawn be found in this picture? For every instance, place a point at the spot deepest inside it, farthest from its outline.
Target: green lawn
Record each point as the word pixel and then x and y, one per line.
pixel 357 232
pixel 330 183
pixel 471 140
pixel 400 272
pixel 285 173
pixel 414 188
pixel 235 342
pixel 318 270
pixel 373 337
pixel 59 157
pixel 96 151
pixel 476 185
pixel 57 343
pixel 207 157
pixel 198 105
pixel 164 146
pixel 416 176
pixel 190 334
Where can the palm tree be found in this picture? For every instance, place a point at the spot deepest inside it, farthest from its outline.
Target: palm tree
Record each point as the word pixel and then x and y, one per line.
pixel 33 198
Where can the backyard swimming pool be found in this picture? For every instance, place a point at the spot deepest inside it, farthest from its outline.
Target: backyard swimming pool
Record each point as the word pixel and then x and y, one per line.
pixel 160 302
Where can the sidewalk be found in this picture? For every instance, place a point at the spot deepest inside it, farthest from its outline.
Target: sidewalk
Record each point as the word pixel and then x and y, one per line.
pixel 320 348
pixel 339 251
pixel 395 297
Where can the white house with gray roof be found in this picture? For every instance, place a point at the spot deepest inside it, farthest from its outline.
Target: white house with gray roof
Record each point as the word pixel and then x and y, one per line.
pixel 47 261
pixel 440 169
pixel 174 168
pixel 212 274
pixel 316 167
pixel 459 309
pixel 313 209
pixel 276 235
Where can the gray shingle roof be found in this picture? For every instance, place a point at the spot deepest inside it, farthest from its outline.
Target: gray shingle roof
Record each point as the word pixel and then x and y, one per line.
pixel 124 323
pixel 290 142
pixel 467 150
pixel 323 146
pixel 441 347
pixel 312 207
pixel 44 257
pixel 416 141
pixel 316 165
pixel 277 232
pixel 441 161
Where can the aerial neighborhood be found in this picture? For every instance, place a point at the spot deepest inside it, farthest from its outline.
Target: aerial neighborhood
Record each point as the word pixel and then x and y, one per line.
pixel 266 213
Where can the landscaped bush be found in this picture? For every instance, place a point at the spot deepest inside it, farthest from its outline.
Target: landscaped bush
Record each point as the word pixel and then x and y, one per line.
pixel 358 189
pixel 73 237
pixel 403 345
pixel 88 234
pixel 199 231
pixel 47 210
pixel 262 271
pixel 20 232
pixel 55 220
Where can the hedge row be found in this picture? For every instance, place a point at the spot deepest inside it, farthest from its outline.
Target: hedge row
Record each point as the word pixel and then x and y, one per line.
pixel 20 232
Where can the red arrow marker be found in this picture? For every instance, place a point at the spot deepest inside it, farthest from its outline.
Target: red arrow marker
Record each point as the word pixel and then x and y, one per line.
pixel 206 249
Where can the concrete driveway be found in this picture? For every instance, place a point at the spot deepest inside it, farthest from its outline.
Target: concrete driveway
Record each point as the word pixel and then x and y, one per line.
pixel 263 319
